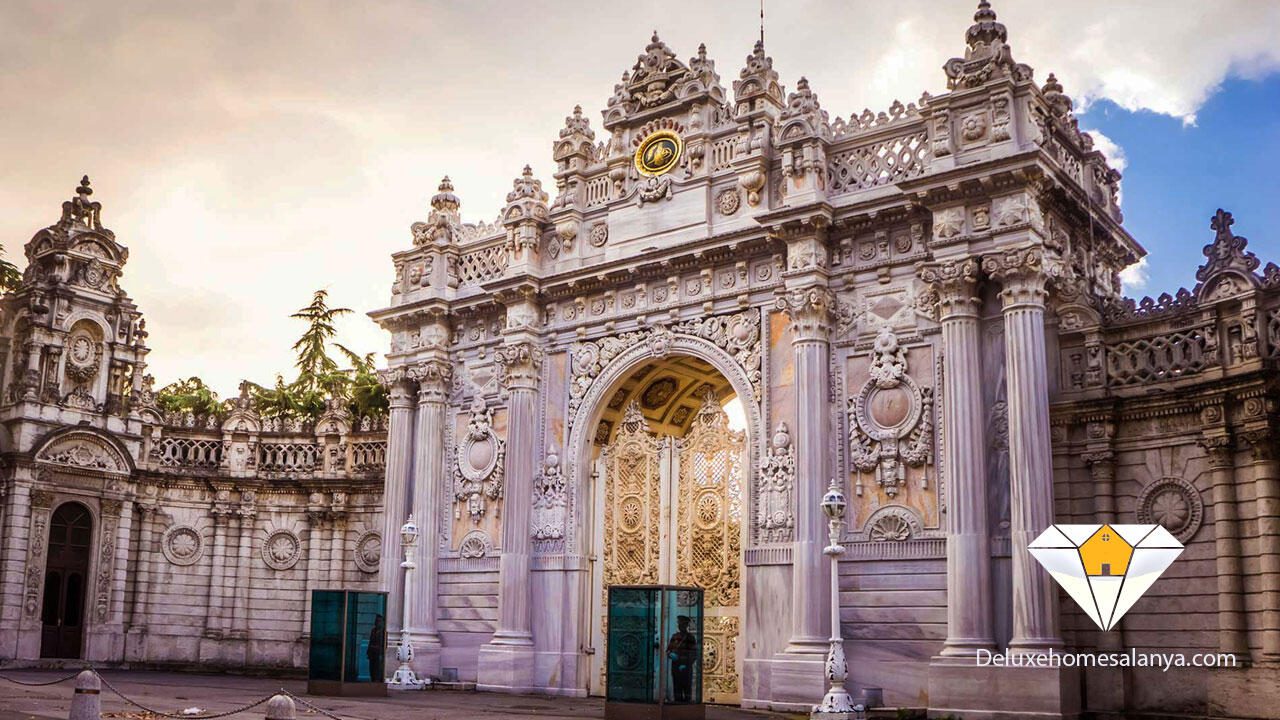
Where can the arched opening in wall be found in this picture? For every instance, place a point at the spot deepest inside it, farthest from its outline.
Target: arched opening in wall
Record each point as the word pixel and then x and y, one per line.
pixel 669 459
pixel 65 581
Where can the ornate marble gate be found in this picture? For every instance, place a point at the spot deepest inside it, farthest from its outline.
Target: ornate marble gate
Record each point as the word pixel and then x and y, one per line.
pixel 673 514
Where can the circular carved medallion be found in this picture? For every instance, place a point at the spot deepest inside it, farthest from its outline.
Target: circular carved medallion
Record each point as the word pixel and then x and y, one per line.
pixel 659 153
pixel 889 407
pixel 281 549
pixel 1174 504
pixel 369 552
pixel 181 545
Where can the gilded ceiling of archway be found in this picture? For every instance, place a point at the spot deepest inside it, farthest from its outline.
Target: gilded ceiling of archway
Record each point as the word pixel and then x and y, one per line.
pixel 669 392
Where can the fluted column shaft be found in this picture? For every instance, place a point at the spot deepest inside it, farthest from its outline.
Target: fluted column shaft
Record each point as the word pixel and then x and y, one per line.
pixel 214 626
pixel 247 513
pixel 521 363
pixel 1035 599
pixel 809 310
pixel 142 590
pixel 395 494
pixel 434 380
pixel 969 619
pixel 1266 482
pixel 1232 627
pixel 315 538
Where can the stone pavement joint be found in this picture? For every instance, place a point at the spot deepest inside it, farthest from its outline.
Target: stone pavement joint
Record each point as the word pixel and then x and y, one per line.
pixel 174 692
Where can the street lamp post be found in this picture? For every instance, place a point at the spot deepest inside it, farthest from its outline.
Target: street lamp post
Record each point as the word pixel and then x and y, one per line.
pixel 837 703
pixel 404 677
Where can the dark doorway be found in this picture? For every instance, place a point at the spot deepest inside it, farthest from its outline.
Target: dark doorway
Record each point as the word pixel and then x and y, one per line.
pixel 70 535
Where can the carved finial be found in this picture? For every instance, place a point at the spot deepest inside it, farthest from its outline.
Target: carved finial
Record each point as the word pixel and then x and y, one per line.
pixel 446 185
pixel 1057 99
pixel 1221 223
pixel 655 37
pixel 987 54
pixel 84 190
pixel 702 51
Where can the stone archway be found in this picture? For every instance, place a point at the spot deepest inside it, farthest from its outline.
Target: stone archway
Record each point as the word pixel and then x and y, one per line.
pixel 683 454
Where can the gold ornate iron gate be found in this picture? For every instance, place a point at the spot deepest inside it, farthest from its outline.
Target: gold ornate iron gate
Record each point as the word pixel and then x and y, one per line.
pixel 688 533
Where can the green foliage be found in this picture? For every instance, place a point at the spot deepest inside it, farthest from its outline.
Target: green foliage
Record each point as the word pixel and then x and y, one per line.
pixel 189 396
pixel 10 278
pixel 320 379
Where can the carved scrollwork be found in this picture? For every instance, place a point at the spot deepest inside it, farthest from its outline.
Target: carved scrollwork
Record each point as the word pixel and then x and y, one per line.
pixel 550 501
pixel 775 518
pixel 478 468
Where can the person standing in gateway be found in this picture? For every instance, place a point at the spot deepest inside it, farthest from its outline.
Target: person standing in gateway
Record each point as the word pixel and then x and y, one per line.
pixel 682 650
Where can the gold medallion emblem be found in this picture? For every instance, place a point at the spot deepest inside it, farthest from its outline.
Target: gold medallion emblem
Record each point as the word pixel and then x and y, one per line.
pixel 659 153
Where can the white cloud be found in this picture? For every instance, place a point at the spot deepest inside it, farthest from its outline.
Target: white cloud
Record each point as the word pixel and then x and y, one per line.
pixel 1134 278
pixel 249 153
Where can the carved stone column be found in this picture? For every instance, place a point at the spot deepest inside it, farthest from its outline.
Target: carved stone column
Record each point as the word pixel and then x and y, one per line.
pixel 315 540
pixel 1035 598
pixel 1266 483
pixel 244 576
pixel 506 662
pixel 337 546
pixel 969 620
pixel 810 312
pixel 395 494
pixel 1233 632
pixel 435 378
pixel 214 627
pixel 142 587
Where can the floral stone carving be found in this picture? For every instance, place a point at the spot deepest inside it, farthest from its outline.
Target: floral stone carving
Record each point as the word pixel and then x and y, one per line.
pixel 368 552
pixel 890 418
pixel 478 468
pixel 775 519
pixel 281 550
pixel 1173 503
pixel 182 545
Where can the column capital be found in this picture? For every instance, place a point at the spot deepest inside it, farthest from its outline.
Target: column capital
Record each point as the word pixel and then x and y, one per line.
pixel 399 386
pixel 434 378
pixel 1262 441
pixel 810 310
pixel 1220 448
pixel 1024 273
pixel 956 283
pixel 520 364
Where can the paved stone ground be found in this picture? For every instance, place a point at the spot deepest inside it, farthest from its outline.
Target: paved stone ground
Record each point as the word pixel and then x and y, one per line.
pixel 173 692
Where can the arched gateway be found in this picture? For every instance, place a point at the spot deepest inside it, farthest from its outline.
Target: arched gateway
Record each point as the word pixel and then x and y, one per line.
pixel 664 481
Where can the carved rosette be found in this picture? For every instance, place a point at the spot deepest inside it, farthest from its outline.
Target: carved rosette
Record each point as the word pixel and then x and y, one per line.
pixel 955 283
pixel 478 472
pixel 475 545
pixel 368 552
pixel 281 550
pixel 893 523
pixel 1173 503
pixel 811 312
pixel 519 365
pixel 182 545
pixel 890 418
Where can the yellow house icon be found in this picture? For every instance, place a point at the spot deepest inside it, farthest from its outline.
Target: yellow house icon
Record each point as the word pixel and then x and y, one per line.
pixel 1105 553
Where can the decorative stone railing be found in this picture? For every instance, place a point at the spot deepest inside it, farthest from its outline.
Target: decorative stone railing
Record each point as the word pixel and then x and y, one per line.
pixel 484 263
pixel 1166 356
pixel 874 160
pixel 185 450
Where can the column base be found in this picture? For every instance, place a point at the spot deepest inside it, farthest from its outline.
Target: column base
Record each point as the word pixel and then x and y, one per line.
pixel 959 686
pixel 506 668
pixel 797 682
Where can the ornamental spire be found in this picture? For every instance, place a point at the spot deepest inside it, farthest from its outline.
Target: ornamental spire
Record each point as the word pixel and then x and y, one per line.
pixel 987 55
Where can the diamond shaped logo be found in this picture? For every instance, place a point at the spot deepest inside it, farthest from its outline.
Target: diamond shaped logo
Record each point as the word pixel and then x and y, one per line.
pixel 1105 568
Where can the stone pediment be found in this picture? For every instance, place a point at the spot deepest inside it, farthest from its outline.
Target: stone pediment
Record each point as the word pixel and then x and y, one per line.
pixel 659 81
pixel 84 449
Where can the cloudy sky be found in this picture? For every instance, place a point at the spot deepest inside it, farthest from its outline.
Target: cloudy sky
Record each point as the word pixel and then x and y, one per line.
pixel 250 152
